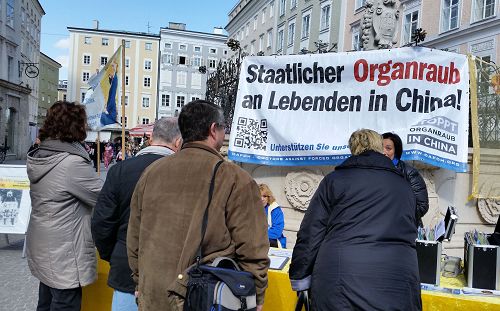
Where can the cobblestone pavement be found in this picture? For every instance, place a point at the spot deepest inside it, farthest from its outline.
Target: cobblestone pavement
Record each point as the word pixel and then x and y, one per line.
pixel 18 288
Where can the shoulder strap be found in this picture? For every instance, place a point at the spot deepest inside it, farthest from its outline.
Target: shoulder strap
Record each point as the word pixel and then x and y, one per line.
pixel 199 252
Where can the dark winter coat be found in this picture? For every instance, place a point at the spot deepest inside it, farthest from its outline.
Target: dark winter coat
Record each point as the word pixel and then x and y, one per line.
pixel 356 245
pixel 111 215
pixel 419 188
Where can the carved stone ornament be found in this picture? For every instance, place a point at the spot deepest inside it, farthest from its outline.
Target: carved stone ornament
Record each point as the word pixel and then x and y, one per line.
pixel 490 208
pixel 380 24
pixel 300 187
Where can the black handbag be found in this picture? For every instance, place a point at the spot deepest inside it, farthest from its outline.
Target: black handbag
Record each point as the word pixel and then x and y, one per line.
pixel 221 285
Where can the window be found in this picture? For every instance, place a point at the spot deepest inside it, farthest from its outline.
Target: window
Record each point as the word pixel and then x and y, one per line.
pixel 271 10
pixel 145 103
pixel 126 80
pixel 291 33
pixel 252 47
pixel 64 97
pixel 104 60
pixel 293 4
pixel 281 37
pixel 145 120
pixel 325 17
pixel 305 25
pixel 194 98
pixel 86 59
pixel 197 49
pixel 147 81
pixel 449 16
pixel 126 100
pixel 255 23
pixel 356 39
pixel 282 7
pixel 147 65
pixel 10 13
pixel 87 40
pixel 82 97
pixel 85 76
pixel 359 4
pixel 127 62
pixel 127 44
pixel 125 121
pixel 196 80
pixel 212 63
pixel 165 100
pixel 410 24
pixel 182 47
pixel 148 46
pixel 483 9
pixel 263 16
pixel 180 101
pixel 105 41
pixel 182 60
pixel 196 61
pixel 269 38
pixel 261 43
pixel 213 51
pixel 168 45
pixel 166 58
pixel 181 78
pixel 247 29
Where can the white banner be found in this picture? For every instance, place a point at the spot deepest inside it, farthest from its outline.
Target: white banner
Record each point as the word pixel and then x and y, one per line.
pixel 302 109
pixel 15 201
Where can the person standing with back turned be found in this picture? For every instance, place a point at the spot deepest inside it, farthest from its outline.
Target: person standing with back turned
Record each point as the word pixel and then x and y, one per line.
pixel 112 211
pixel 167 210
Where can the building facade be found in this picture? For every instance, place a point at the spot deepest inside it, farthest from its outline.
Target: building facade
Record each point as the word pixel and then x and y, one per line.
pixel 253 24
pixel 48 85
pixel 20 23
pixel 90 50
pixel 462 26
pixel 183 52
pixel 286 26
pixel 62 90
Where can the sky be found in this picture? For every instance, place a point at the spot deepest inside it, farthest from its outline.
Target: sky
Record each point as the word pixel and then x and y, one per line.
pixel 130 15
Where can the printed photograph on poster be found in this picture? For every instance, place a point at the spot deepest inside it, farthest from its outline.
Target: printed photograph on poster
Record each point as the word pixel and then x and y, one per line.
pixel 10 202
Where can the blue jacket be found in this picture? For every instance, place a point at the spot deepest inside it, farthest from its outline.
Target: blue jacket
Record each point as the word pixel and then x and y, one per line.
pixel 277 224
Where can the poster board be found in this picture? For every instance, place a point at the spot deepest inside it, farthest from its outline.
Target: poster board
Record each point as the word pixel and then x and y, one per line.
pixel 15 201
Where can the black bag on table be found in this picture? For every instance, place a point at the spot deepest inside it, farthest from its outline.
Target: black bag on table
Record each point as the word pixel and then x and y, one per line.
pixel 221 285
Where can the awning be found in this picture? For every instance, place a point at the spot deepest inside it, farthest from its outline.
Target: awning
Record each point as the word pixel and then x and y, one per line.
pixel 141 130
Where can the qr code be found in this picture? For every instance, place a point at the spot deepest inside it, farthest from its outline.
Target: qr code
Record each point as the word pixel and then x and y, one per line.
pixel 251 134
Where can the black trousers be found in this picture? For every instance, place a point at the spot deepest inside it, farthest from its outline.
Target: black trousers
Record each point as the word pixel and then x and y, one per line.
pixel 53 299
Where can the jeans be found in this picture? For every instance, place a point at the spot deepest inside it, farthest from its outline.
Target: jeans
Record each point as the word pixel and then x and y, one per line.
pixel 123 302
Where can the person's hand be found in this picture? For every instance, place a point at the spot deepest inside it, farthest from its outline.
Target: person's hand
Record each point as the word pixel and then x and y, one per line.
pixel 259 307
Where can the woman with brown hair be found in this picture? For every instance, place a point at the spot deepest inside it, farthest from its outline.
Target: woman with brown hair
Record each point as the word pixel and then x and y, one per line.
pixel 275 217
pixel 63 190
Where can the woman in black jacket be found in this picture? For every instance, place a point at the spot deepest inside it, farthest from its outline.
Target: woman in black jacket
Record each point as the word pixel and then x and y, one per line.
pixel 393 148
pixel 355 248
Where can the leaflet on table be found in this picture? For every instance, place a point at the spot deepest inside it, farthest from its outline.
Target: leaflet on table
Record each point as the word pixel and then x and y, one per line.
pixel 279 258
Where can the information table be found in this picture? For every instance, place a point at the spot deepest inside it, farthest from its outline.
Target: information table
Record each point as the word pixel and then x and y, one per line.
pixel 280 297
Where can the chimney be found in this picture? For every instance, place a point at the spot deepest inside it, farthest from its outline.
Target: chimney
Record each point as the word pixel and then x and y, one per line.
pixel 95 24
pixel 178 26
pixel 218 30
